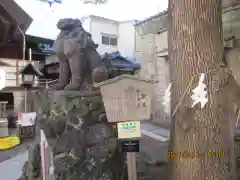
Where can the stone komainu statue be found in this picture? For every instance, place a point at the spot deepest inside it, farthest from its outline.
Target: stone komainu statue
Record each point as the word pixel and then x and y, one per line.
pixel 80 63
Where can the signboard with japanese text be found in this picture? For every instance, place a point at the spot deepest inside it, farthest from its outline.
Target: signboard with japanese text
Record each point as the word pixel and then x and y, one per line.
pixel 129 130
pixel 130 145
pixel 130 100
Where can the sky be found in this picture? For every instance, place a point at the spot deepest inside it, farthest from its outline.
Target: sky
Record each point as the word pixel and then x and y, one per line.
pixel 46 17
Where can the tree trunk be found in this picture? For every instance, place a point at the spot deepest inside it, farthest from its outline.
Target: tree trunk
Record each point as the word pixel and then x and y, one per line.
pixel 196 46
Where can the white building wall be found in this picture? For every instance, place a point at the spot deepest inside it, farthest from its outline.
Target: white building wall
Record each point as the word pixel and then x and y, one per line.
pixel 138 40
pixel 86 23
pixel 161 43
pixel 146 52
pixel 126 41
pixel 11 80
pixel 99 27
pixel 124 31
pixel 150 49
pixel 11 71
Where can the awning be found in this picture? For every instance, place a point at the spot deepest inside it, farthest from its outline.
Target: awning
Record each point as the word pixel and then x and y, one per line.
pixel 22 19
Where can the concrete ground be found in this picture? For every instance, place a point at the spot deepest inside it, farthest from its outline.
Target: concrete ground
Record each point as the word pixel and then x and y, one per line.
pixel 154 141
pixel 153 147
pixel 11 169
pixel 23 147
pixel 155 152
pixel 12 160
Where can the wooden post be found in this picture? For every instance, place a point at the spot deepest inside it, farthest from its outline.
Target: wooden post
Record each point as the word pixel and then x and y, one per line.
pixel 131 166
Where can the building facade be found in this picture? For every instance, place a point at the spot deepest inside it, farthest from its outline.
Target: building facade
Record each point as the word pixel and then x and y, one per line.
pixel 14 46
pixel 152 50
pixel 112 35
pixel 13 24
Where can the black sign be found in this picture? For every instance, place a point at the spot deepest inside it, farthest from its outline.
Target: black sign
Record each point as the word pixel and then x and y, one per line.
pixel 130 146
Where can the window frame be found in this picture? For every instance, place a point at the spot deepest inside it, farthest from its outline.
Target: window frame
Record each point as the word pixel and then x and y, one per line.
pixel 109 36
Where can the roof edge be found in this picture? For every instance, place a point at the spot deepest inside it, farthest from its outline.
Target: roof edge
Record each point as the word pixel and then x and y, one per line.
pixel 103 18
pixel 125 76
pixel 107 19
pixel 29 64
pixel 163 13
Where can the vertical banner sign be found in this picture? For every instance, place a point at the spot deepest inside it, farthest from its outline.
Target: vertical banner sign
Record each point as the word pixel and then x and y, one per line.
pixel 46 158
pixel 43 153
pixel 2 79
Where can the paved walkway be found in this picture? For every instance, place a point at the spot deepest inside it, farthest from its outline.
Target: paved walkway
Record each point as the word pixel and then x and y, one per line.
pixel 154 141
pixel 156 132
pixel 12 161
pixel 12 169
pixel 154 144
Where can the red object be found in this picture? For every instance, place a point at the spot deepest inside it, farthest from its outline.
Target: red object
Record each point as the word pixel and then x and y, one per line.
pixel 19 116
pixel 44 161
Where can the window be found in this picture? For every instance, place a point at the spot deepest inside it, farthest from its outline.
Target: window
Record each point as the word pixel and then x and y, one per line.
pixel 109 40
pixel 105 40
pixel 113 41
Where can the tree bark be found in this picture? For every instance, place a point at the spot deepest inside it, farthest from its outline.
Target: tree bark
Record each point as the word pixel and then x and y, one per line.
pixel 196 46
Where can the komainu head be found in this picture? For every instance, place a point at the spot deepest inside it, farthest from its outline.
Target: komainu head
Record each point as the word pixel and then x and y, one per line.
pixel 68 23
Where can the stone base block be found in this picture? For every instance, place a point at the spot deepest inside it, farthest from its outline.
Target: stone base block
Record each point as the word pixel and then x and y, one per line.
pixel 3 128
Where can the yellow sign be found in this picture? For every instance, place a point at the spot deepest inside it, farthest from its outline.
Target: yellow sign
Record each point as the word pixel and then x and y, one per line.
pixel 128 130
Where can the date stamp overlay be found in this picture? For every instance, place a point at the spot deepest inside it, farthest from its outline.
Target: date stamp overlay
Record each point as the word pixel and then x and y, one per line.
pixel 192 155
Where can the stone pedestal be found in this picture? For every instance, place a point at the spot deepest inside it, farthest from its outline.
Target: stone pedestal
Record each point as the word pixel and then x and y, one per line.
pixel 3 128
pixel 83 143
